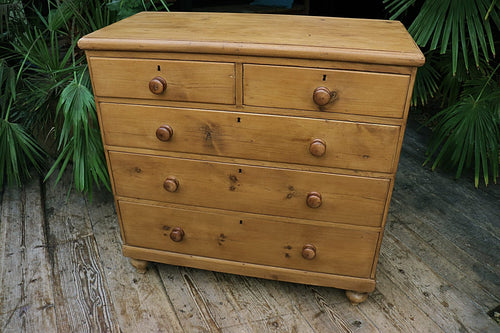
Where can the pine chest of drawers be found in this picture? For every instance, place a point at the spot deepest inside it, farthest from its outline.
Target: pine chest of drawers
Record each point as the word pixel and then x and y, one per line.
pixel 260 145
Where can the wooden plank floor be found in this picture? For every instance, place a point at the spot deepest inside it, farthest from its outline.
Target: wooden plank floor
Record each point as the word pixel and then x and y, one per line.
pixel 61 269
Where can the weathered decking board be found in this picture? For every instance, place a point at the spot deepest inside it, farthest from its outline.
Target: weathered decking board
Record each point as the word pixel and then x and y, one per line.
pixel 140 301
pixel 82 297
pixel 26 296
pixel 61 269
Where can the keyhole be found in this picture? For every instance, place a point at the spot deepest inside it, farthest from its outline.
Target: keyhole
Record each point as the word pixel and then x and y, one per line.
pixel 239 119
pixel 159 69
pixel 324 77
pixel 241 221
pixel 239 170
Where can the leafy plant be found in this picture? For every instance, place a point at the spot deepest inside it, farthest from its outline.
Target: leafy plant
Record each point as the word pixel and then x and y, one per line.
pixel 80 137
pixel 126 8
pixel 466 131
pixel 18 148
pixel 464 23
pixel 45 87
pixel 426 82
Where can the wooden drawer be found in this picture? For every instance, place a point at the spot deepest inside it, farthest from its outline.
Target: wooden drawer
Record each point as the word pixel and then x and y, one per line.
pixel 188 81
pixel 273 191
pixel 357 146
pixel 249 238
pixel 357 92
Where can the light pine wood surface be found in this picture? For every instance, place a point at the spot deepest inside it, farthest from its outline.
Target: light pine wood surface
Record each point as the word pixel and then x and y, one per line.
pixel 334 221
pixel 357 92
pixel 62 270
pixel 264 35
pixel 210 82
pixel 349 145
pixel 248 188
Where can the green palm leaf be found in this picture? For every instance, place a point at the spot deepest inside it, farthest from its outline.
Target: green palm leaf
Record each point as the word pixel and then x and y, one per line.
pixel 80 139
pixel 467 133
pixel 466 23
pixel 19 151
pixel 426 81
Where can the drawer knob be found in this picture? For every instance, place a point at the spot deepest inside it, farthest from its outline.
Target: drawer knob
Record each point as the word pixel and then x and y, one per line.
pixel 171 184
pixel 164 133
pixel 323 96
pixel 313 199
pixel 158 85
pixel 309 251
pixel 317 147
pixel 177 234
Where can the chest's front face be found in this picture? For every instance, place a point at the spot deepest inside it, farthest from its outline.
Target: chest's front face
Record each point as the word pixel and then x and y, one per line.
pixel 271 155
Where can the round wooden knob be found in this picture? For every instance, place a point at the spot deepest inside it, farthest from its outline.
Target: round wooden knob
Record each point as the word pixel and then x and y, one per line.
pixel 322 96
pixel 177 234
pixel 309 251
pixel 317 147
pixel 171 184
pixel 164 133
pixel 313 199
pixel 158 85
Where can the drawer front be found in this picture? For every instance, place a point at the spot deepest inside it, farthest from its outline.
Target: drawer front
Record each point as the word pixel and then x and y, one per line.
pixel 187 81
pixel 356 92
pixel 249 238
pixel 357 146
pixel 273 191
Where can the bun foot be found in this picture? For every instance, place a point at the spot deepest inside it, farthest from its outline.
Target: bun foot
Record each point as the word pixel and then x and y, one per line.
pixel 140 265
pixel 355 298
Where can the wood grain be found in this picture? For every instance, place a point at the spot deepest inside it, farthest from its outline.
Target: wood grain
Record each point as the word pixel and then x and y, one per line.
pixel 431 291
pixel 351 145
pixel 251 239
pixel 368 41
pixel 283 192
pixel 436 251
pixel 391 309
pixel 302 129
pixel 140 300
pixel 326 309
pixel 208 301
pixel 470 272
pixel 363 93
pixel 82 298
pixel 210 82
pixel 26 297
pixel 310 63
pixel 163 296
pixel 266 272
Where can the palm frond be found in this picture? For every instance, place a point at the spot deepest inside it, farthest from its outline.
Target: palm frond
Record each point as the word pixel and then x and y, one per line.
pixel 467 134
pixel 426 81
pixel 453 25
pixel 80 139
pixel 19 151
pixel 126 8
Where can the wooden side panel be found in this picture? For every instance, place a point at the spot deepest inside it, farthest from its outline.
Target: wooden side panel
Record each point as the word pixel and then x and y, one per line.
pixel 193 81
pixel 250 238
pixel 356 146
pixel 283 192
pixel 363 93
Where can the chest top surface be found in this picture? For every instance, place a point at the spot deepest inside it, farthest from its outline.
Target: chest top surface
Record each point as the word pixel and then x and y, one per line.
pixel 325 38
